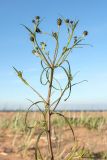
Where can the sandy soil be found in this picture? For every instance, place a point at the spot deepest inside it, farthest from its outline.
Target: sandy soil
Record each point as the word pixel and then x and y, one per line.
pixel 11 144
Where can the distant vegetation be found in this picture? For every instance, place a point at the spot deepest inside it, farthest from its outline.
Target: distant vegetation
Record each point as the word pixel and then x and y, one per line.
pixel 17 122
pixel 16 125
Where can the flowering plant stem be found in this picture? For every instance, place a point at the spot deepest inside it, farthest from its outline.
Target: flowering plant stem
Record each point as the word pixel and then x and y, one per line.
pixel 49 66
pixel 49 114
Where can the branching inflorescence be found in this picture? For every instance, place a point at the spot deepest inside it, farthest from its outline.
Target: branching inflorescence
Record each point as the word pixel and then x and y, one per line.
pixel 49 66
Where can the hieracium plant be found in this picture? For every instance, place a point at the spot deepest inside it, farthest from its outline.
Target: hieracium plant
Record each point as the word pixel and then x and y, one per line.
pixel 50 63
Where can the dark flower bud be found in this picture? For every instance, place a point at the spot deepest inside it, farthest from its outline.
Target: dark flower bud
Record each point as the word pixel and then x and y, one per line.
pixel 32 38
pixel 37 17
pixel 75 39
pixel 33 21
pixel 85 33
pixel 43 44
pixel 33 51
pixel 36 48
pixel 67 20
pixel 36 51
pixel 71 22
pixel 54 34
pixel 38 30
pixel 59 22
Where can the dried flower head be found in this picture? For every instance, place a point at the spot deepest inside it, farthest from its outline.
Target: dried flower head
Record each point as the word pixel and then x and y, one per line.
pixel 36 51
pixel 85 33
pixel 32 38
pixel 33 51
pixel 75 39
pixel 38 30
pixel 55 35
pixel 59 21
pixel 37 18
pixel 33 21
pixel 67 20
pixel 43 43
pixel 71 22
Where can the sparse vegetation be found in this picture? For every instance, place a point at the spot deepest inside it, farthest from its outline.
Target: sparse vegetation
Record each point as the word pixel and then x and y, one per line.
pixel 17 122
pixel 88 122
pixel 16 126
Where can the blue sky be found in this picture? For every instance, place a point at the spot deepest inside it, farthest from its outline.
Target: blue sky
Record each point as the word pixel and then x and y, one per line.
pixel 15 48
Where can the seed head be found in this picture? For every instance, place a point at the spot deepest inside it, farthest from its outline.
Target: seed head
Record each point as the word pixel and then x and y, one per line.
pixel 33 51
pixel 67 20
pixel 33 21
pixel 75 39
pixel 36 51
pixel 37 18
pixel 54 34
pixel 71 22
pixel 85 33
pixel 59 22
pixel 38 30
pixel 43 44
pixel 32 38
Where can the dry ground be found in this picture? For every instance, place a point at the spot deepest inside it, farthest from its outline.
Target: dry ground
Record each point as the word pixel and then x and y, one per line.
pixel 11 142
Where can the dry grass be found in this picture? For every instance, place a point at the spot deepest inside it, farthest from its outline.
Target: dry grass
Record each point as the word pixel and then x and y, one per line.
pixel 89 127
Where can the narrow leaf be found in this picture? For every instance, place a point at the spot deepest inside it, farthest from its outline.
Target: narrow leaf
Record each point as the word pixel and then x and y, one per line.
pixel 27 29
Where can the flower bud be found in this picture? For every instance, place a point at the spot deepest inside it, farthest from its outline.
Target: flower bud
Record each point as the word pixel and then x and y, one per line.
pixel 38 30
pixel 37 18
pixel 43 43
pixel 36 51
pixel 59 22
pixel 85 33
pixel 75 39
pixel 71 22
pixel 55 35
pixel 33 21
pixel 32 38
pixel 33 51
pixel 67 20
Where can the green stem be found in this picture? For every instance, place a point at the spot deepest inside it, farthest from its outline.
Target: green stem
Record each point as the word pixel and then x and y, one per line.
pixel 49 114
pixel 56 48
pixel 69 40
pixel 42 52
pixel 37 93
pixel 60 97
